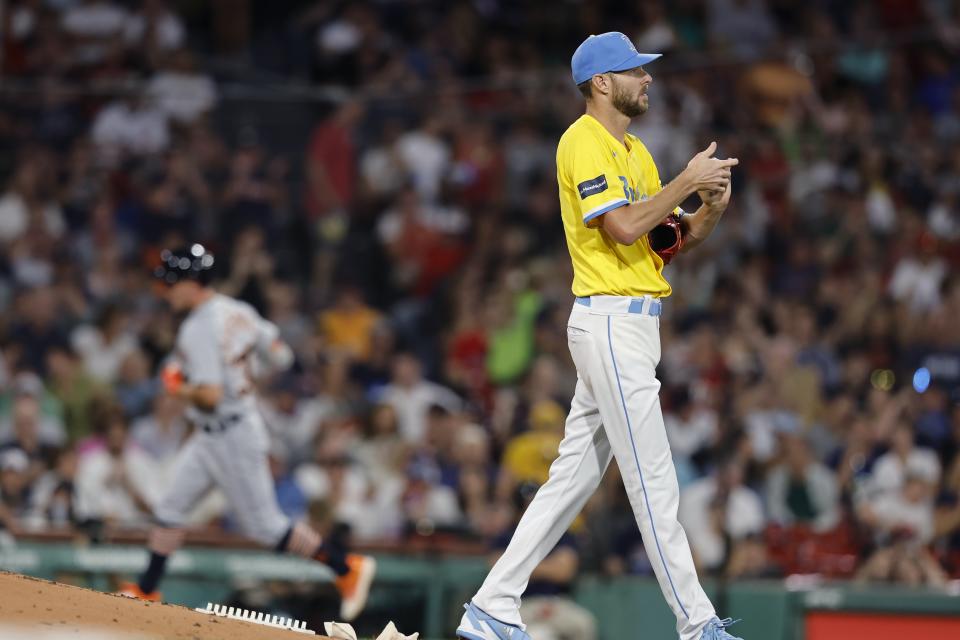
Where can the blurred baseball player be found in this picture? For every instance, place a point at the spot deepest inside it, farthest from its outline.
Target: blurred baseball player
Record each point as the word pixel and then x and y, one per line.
pixel 220 344
pixel 621 227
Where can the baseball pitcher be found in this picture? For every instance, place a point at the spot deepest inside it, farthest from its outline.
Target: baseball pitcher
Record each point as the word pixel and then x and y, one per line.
pixel 621 228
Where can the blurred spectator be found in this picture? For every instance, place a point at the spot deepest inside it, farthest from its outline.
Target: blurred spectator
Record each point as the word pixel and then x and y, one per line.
pixel 135 387
pixel 28 437
pixel 53 495
pixel 284 309
pixel 512 406
pixel 903 524
pixel 295 420
pixel 796 387
pixel 155 27
pixel 826 435
pixel 411 397
pixel 511 342
pixel 337 397
pixel 691 429
pixel 478 165
pixel 475 481
pixel 181 92
pixel 658 33
pixel 382 451
pixel 528 157
pixel 23 17
pixel 426 156
pixel 331 163
pixel 890 470
pixel 15 487
pixel 104 345
pixel 765 423
pixel 853 461
pixel 95 27
pixel 801 490
pixel 933 420
pixel 440 443
pixel 422 239
pixel 382 169
pixel 745 26
pixel 116 482
pixel 339 40
pixel 30 202
pixel 527 457
pixel 28 385
pixel 374 373
pixel 129 127
pixel 252 267
pixel 429 505
pixel 348 326
pixel 252 197
pixel 94 19
pixel 76 390
pixel 37 329
pixel 371 511
pixel 918 277
pixel 465 364
pixel 724 520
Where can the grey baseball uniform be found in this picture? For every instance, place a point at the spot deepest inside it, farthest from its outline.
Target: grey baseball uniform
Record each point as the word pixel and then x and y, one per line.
pixel 218 344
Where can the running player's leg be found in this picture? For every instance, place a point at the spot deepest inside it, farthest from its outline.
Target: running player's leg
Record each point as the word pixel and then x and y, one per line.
pixel 583 458
pixel 627 393
pixel 243 473
pixel 191 481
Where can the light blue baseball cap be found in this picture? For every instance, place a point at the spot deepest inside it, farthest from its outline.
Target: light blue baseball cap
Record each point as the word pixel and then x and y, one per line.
pixel 611 51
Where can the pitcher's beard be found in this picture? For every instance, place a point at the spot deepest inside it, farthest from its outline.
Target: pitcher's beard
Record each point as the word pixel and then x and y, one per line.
pixel 630 108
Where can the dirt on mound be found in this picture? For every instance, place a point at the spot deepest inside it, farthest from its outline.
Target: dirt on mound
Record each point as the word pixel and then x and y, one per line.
pixel 33 609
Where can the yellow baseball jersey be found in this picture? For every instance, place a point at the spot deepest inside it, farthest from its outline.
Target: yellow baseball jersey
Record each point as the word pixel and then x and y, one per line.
pixel 597 173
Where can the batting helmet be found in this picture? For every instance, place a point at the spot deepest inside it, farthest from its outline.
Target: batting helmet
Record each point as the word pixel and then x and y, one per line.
pixel 193 262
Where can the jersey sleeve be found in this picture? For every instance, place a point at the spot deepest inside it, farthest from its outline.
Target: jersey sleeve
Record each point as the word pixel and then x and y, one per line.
pixel 267 333
pixel 198 347
pixel 595 178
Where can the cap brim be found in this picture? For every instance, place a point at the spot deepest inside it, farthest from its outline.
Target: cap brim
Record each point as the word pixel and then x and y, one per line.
pixel 637 60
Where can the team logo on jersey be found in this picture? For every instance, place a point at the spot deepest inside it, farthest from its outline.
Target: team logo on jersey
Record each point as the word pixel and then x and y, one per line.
pixel 632 194
pixel 592 187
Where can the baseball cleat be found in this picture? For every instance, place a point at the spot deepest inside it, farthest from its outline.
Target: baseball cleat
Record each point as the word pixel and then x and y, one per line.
pixel 132 590
pixel 478 625
pixel 354 586
pixel 715 630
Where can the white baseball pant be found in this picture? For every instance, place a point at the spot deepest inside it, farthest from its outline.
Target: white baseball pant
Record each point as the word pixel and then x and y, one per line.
pixel 234 460
pixel 615 411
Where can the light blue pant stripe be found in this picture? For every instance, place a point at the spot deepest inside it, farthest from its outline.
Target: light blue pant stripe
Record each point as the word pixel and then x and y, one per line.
pixel 636 459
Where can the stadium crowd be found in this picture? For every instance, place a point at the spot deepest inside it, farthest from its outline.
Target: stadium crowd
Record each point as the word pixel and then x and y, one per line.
pixel 410 250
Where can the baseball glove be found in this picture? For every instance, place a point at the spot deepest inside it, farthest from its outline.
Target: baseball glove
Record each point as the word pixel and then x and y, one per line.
pixel 666 239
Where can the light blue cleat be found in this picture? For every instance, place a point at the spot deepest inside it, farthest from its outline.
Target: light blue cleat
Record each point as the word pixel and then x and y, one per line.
pixel 476 624
pixel 716 630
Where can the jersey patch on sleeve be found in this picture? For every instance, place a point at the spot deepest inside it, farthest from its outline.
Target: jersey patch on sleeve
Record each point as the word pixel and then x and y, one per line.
pixel 592 187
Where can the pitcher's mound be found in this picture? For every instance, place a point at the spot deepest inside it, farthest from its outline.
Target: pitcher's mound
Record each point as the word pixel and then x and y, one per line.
pixel 32 609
